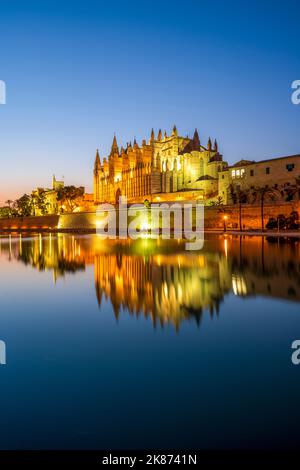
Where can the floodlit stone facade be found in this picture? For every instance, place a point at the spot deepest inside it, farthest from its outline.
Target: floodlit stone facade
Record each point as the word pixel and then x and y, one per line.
pixel 165 168
pixel 171 168
pixel 279 177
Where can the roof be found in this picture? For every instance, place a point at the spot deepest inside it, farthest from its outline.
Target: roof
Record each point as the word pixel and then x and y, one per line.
pixel 253 162
pixel 205 178
pixel 244 162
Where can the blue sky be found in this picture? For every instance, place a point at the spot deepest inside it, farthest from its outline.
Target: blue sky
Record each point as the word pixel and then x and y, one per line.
pixel 76 72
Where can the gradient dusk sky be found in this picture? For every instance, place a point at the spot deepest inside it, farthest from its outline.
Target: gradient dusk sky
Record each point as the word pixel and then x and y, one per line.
pixel 78 71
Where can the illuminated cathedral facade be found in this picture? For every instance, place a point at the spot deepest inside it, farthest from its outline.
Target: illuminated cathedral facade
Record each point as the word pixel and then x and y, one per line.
pixel 164 168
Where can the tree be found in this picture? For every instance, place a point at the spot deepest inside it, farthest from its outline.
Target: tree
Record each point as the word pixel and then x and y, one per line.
pixel 218 202
pixel 70 197
pixel 5 212
pixel 293 190
pixel 272 223
pixel 9 210
pixel 260 194
pixel 39 202
pixel 292 221
pixel 239 196
pixel 23 206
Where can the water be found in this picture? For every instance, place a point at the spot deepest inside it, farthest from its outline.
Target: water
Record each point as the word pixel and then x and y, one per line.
pixel 144 345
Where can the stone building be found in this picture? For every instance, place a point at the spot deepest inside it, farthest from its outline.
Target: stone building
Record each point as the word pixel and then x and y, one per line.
pixel 170 168
pixel 166 168
pixel 279 176
pixel 50 196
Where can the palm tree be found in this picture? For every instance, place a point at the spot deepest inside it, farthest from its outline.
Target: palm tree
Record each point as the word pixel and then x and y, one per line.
pixel 239 196
pixel 218 202
pixel 293 190
pixel 9 202
pixel 260 193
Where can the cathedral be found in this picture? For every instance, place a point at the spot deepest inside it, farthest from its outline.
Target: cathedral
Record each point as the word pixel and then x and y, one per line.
pixel 166 168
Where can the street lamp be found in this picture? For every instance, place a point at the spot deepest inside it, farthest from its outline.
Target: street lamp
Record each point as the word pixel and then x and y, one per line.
pixel 224 221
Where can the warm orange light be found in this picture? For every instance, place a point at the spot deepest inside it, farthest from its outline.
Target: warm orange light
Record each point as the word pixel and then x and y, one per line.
pixel 225 217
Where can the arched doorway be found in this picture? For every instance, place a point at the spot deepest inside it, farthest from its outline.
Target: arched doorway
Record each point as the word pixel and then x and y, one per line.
pixel 118 195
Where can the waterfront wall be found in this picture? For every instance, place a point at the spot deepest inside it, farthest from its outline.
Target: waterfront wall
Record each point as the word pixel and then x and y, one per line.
pixel 214 218
pixel 44 222
pixel 251 215
pixel 77 221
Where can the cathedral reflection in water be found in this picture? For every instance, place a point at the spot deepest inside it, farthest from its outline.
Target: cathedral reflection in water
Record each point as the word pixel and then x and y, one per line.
pixel 161 281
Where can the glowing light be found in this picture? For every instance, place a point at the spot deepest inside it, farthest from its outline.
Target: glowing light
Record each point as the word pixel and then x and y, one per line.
pixel 145 226
pixel 238 285
pixel 165 287
pixel 226 247
pixel 118 178
pixel 40 244
pixel 144 229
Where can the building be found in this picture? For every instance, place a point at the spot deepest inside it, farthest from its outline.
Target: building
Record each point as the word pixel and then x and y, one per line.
pixel 280 177
pixel 49 197
pixel 170 168
pixel 167 168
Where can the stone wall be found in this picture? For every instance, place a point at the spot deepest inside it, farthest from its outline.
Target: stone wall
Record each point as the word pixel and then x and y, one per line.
pixel 46 222
pixel 214 218
pixel 251 215
pixel 77 221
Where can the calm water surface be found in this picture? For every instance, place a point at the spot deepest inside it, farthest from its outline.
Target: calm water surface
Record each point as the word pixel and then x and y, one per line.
pixel 128 345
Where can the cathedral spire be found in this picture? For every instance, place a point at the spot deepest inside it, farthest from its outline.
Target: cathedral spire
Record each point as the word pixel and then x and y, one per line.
pixel 165 135
pixel 196 140
pixel 175 132
pixel 159 135
pixel 97 160
pixel 209 145
pixel 97 165
pixel 216 145
pixel 114 147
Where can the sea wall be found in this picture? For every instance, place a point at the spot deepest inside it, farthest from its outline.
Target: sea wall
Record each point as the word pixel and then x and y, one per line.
pixel 44 222
pixel 250 215
pixel 214 218
pixel 85 221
